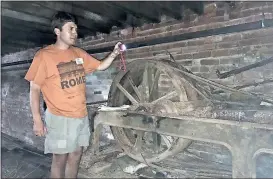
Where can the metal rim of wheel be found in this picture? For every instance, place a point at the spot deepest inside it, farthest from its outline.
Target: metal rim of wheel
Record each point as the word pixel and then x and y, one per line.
pixel 141 81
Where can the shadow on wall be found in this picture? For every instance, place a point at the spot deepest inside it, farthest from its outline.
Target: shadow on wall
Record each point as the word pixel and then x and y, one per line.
pixel 15 112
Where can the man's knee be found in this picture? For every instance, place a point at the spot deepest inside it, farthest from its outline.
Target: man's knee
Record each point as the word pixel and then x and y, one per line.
pixel 77 152
pixel 59 158
pixel 73 156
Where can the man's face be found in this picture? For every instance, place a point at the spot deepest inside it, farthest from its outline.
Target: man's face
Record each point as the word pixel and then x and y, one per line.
pixel 68 34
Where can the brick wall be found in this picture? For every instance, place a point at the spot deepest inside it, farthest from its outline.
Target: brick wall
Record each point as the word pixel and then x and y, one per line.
pixel 201 55
pixel 205 55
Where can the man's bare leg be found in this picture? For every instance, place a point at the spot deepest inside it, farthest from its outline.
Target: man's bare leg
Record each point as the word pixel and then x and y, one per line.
pixel 58 165
pixel 72 164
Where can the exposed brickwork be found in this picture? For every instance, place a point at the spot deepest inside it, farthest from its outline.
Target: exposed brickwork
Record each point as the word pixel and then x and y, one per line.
pixel 210 20
pixel 203 56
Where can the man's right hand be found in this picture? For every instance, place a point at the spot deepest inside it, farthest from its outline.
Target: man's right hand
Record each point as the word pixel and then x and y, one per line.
pixel 38 127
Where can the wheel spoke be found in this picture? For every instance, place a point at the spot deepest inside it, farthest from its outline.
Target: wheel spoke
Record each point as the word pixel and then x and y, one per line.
pixel 155 83
pixel 165 97
pixel 149 80
pixel 145 83
pixel 140 97
pixel 127 94
pixel 156 141
pixel 166 140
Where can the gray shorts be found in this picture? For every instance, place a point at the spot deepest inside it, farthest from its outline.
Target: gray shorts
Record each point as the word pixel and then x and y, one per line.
pixel 64 134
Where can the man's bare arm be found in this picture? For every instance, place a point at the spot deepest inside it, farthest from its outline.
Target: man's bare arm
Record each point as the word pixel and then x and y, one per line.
pixel 107 61
pixel 35 92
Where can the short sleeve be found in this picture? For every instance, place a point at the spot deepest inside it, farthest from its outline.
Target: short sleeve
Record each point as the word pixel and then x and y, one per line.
pixel 90 63
pixel 37 70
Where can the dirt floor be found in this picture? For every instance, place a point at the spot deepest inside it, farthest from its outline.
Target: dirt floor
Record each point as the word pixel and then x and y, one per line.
pixel 21 161
pixel 199 160
pixel 18 161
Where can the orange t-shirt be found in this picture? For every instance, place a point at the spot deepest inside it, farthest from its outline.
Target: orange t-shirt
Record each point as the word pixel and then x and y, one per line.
pixel 61 76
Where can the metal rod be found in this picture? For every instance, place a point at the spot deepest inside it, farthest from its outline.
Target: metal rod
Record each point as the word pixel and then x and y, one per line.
pixel 245 68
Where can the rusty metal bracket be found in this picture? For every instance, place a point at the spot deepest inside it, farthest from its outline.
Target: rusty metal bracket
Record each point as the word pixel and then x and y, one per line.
pixel 243 139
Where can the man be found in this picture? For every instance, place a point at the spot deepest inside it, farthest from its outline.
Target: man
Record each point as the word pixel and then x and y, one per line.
pixel 58 71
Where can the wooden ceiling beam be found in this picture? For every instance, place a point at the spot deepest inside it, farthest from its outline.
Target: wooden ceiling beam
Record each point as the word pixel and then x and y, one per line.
pixel 11 22
pixel 195 6
pixel 24 16
pixel 136 9
pixel 30 8
pixel 172 9
pixel 36 37
pixel 114 15
pixel 25 24
pixel 65 6
pixel 13 26
pixel 89 24
pixel 27 32
pixel 21 43
pixel 31 11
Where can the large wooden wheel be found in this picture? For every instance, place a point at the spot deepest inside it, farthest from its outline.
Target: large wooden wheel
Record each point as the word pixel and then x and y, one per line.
pixel 144 84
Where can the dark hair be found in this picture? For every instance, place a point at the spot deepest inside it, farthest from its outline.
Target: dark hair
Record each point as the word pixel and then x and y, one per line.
pixel 60 18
